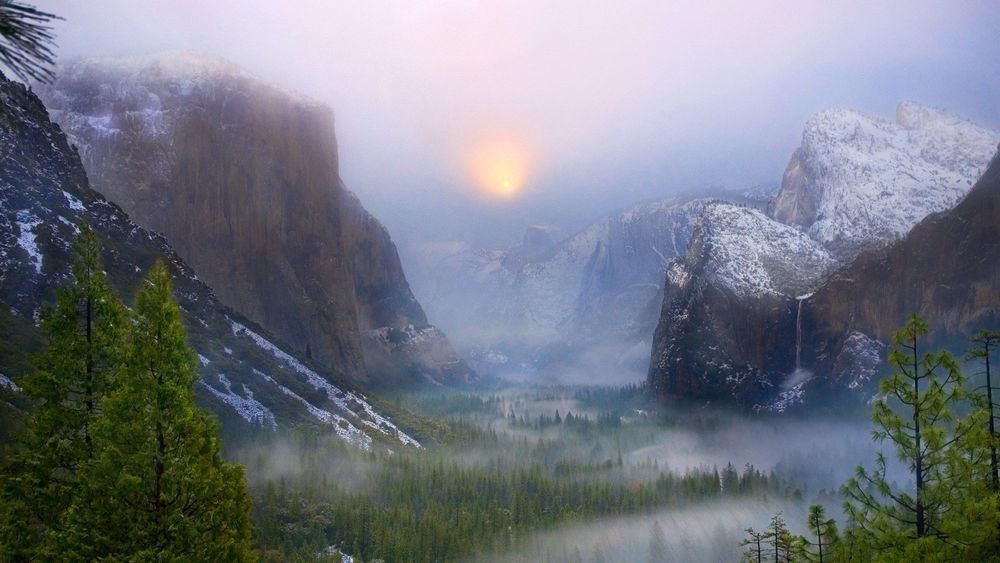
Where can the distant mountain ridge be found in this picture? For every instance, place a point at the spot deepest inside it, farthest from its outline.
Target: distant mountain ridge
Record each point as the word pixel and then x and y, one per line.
pixel 243 179
pixel 853 191
pixel 556 304
pixel 858 181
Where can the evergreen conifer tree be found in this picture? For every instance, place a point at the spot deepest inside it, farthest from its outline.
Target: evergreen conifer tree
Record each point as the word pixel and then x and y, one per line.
pixel 158 489
pixel 74 372
pixel 824 532
pixel 916 412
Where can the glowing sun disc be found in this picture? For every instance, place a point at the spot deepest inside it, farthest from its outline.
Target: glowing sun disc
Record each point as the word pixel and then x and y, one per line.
pixel 499 167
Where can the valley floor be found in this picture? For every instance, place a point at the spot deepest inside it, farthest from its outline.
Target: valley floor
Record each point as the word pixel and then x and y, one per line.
pixel 548 474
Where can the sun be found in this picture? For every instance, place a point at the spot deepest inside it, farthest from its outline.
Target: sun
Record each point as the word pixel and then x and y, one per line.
pixel 499 166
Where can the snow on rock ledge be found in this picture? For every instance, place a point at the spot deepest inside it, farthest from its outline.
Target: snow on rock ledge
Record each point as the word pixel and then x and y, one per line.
pixel 858 181
pixel 753 255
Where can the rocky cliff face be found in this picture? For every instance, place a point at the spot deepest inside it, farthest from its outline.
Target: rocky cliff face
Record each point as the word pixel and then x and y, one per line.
pixel 767 327
pixel 947 270
pixel 248 378
pixel 726 305
pixel 857 182
pixel 242 177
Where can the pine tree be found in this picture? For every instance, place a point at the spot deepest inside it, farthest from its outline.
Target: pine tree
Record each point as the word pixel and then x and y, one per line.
pixel 158 488
pixel 754 544
pixel 74 372
pixel 780 539
pixel 824 530
pixel 916 413
pixel 985 343
pixel 26 41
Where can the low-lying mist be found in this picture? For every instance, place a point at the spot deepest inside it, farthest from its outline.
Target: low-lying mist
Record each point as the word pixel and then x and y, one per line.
pixel 707 533
pixel 569 473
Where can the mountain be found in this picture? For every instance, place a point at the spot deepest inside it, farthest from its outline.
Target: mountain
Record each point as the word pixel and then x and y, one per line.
pixel 771 327
pixel 947 270
pixel 858 181
pixel 729 290
pixel 577 306
pixel 243 178
pixel 250 379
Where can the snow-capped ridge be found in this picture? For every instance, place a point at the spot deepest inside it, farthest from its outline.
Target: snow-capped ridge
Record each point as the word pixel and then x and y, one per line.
pixel 752 254
pixel 859 181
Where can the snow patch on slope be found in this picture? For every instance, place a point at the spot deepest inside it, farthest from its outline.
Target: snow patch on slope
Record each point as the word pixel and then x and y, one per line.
pixel 26 223
pixel 248 408
pixel 347 401
pixel 344 429
pixel 753 255
pixel 859 180
pixel 8 383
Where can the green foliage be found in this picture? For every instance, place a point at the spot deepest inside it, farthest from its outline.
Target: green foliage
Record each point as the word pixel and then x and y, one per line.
pixel 984 346
pixel 74 372
pixel 823 537
pixel 755 544
pixel 426 506
pixel 26 41
pixel 158 488
pixel 917 413
pixel 116 461
pixel 944 435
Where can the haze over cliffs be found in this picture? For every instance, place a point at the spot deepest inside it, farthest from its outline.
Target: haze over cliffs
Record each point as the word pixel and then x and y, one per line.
pixel 852 192
pixel 243 178
pixel 247 378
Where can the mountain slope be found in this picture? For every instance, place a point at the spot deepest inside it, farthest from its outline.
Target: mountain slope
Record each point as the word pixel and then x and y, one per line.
pixel 243 179
pixel 858 181
pixel 732 287
pixel 947 270
pixel 246 378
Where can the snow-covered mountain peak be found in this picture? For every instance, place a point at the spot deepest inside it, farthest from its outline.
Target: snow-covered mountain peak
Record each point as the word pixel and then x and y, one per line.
pixel 754 255
pixel 858 181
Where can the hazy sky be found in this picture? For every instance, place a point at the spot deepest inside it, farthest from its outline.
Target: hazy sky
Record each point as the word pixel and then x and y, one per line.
pixel 583 107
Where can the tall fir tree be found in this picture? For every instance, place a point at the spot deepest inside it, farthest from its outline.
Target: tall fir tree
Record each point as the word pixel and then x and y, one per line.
pixel 780 540
pixel 158 489
pixel 754 544
pixel 916 413
pixel 73 373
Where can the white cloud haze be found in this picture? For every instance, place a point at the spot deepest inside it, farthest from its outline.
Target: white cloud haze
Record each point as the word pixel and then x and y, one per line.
pixel 616 101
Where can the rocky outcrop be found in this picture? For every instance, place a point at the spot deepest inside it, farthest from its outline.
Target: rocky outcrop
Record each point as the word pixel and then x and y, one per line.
pixel 248 378
pixel 727 303
pixel 751 320
pixel 858 182
pixel 947 270
pixel 242 177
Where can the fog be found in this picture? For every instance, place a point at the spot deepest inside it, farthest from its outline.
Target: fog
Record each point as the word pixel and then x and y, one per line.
pixel 710 533
pixel 811 458
pixel 606 103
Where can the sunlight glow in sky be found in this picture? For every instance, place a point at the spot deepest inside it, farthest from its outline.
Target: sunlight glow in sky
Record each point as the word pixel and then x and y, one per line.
pixel 618 102
pixel 499 166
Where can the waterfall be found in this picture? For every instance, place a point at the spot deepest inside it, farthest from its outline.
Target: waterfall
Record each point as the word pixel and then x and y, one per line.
pixel 798 331
pixel 798 336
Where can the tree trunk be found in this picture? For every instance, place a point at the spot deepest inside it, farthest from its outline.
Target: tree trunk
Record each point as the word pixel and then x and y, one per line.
pixel 918 455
